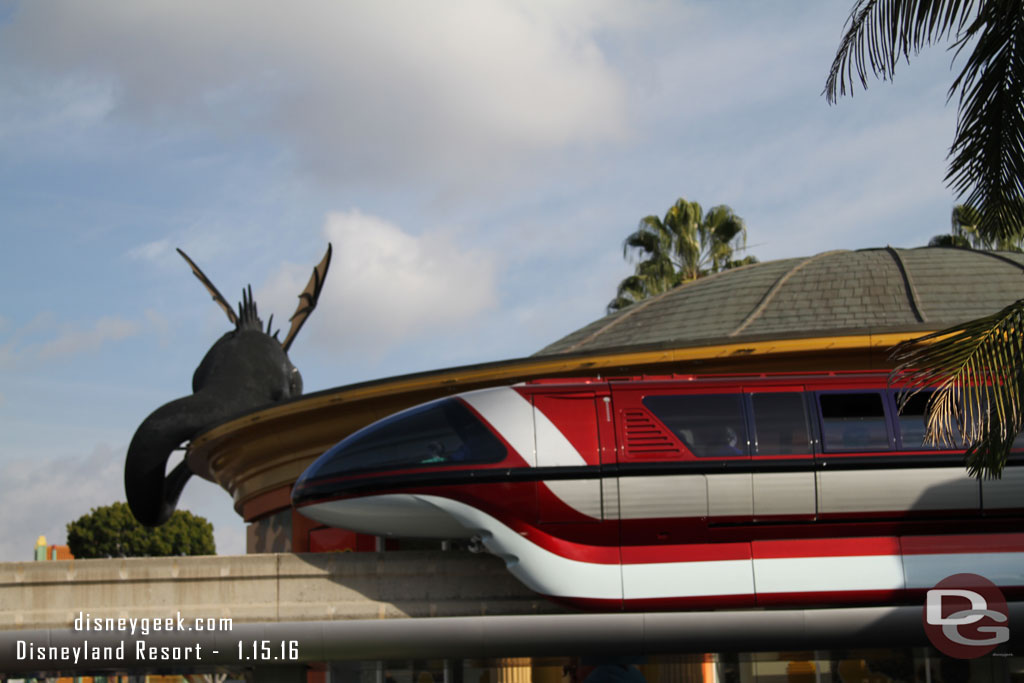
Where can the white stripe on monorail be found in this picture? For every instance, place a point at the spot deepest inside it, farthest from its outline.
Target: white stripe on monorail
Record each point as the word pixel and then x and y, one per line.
pixel 1002 569
pixel 510 415
pixel 563 635
pixel 687 579
pixel 513 416
pixel 841 573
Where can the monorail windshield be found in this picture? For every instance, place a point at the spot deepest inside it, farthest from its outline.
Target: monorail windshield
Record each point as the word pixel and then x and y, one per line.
pixel 443 432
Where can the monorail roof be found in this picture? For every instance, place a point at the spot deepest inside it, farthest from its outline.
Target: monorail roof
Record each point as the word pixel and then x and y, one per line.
pixel 835 292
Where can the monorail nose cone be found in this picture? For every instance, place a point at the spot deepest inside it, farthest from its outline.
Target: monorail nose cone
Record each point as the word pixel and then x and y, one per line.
pixel 400 515
pixel 410 444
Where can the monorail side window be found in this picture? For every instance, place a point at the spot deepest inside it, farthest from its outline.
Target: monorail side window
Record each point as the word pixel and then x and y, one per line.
pixel 780 423
pixel 711 425
pixel 854 422
pixel 913 421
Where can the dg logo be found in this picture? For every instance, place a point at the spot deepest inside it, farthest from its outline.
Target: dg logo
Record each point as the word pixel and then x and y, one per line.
pixel 965 616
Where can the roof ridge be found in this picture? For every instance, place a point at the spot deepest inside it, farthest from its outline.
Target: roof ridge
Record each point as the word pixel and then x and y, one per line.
pixel 908 286
pixel 993 254
pixel 774 289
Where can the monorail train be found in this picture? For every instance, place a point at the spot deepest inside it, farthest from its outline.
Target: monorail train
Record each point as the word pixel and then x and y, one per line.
pixel 683 491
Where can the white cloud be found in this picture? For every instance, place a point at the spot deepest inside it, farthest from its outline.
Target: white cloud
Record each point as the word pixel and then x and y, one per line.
pixel 43 339
pixel 463 90
pixel 52 114
pixel 72 340
pixel 864 187
pixel 386 286
pixel 14 348
pixel 160 325
pixel 151 251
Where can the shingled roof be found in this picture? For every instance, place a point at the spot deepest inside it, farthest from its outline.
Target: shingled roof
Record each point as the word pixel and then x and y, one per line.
pixel 835 292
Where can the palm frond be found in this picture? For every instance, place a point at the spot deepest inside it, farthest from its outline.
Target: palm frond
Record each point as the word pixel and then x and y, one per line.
pixel 684 219
pixel 964 233
pixel 644 242
pixel 963 219
pixel 745 261
pixel 987 161
pixel 684 215
pixel 631 290
pixel 727 227
pixel 950 241
pixel 880 32
pixel 618 303
pixel 987 155
pixel 688 255
pixel 658 275
pixel 725 233
pixel 977 369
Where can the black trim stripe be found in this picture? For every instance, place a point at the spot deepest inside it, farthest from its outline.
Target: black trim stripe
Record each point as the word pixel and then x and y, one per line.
pixel 312 491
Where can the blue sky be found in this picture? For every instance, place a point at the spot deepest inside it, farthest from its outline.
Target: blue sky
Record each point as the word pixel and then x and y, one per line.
pixel 476 165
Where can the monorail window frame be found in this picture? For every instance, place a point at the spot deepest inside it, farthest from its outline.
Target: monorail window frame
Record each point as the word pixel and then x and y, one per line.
pixel 744 416
pixel 888 410
pixel 751 415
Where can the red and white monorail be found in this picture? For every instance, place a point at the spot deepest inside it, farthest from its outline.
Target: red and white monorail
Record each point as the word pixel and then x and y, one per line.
pixel 680 492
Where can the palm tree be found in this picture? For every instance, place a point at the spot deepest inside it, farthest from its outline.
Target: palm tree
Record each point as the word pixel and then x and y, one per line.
pixel 986 157
pixel 978 368
pixel 979 365
pixel 964 233
pixel 685 245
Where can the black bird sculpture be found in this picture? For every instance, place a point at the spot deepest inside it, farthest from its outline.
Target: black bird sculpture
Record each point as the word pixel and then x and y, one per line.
pixel 246 369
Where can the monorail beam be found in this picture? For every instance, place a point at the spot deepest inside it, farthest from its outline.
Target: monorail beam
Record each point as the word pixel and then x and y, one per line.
pixel 516 636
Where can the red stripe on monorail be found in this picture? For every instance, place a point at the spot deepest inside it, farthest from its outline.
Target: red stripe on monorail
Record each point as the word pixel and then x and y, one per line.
pixel 826 547
pixel 889 545
pixel 697 552
pixel 581 552
pixel 655 604
pixel 976 543
pixel 822 598
pixel 690 602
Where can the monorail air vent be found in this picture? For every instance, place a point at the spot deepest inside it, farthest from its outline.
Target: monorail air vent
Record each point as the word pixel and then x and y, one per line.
pixel 646 435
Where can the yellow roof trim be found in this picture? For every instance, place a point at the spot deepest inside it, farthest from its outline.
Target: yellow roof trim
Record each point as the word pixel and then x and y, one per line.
pixel 539 366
